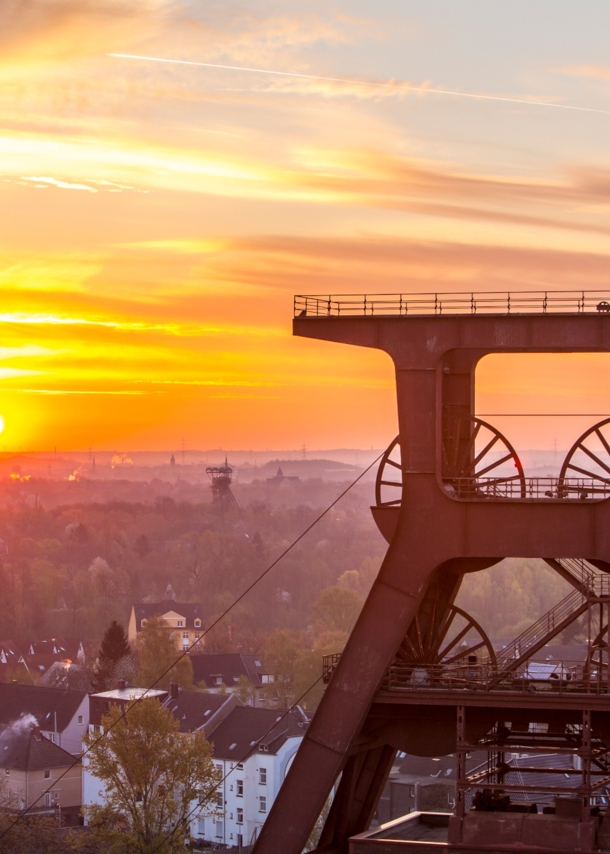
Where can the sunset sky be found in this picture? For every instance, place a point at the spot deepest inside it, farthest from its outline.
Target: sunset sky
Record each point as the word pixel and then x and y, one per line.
pixel 156 219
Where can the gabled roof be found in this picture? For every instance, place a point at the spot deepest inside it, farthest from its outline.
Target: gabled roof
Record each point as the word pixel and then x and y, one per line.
pixel 189 610
pixel 65 647
pixel 194 709
pixel 10 649
pixel 229 666
pixel 25 749
pixel 43 703
pixel 246 729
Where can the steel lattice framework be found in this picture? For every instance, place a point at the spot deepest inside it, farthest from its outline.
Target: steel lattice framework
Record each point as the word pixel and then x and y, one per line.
pixel 419 674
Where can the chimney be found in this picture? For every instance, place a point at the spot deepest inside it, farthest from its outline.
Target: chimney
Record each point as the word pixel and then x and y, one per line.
pixel 174 690
pixel 121 684
pixel 36 732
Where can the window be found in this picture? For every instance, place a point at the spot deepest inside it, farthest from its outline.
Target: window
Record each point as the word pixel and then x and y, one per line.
pixel 240 815
pixel 264 679
pixel 262 776
pixel 240 788
pixel 185 635
pixel 47 773
pixel 219 828
pixel 218 680
pixel 220 801
pixel 240 766
pixel 201 827
pixel 47 799
pixel 52 737
pixel 197 623
pixel 80 719
pixel 144 623
pixel 264 748
pixel 262 804
pixel 180 623
pixel 197 637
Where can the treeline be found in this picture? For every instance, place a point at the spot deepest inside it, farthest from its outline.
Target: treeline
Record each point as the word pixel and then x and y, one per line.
pixel 71 570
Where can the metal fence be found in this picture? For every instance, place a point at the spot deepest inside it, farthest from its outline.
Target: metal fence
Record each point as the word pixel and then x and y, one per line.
pixel 573 488
pixel 483 302
pixel 563 677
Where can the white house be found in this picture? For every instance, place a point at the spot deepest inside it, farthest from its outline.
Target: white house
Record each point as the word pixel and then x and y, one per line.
pixel 253 749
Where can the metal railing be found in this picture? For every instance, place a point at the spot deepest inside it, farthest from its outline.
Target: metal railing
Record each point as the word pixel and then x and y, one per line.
pixel 567 677
pixel 329 662
pixel 483 302
pixel 565 488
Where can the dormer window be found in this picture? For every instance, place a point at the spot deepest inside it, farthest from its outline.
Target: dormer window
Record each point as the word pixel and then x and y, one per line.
pixel 197 623
pixel 144 623
pixel 179 623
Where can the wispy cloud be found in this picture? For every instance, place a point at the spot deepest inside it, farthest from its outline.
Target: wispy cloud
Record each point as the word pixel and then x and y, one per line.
pixel 596 72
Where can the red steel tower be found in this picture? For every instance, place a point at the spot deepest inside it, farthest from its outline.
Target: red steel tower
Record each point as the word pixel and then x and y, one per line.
pixel 418 674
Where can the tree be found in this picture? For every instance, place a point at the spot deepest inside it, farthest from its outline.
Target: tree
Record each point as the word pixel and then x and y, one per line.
pixel 158 658
pixel 281 654
pixel 151 774
pixel 113 648
pixel 245 690
pixel 336 609
pixel 308 668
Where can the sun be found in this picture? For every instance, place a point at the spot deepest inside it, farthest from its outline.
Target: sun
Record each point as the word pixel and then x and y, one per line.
pixel 1 423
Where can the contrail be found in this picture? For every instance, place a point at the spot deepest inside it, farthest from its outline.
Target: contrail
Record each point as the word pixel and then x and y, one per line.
pixel 406 86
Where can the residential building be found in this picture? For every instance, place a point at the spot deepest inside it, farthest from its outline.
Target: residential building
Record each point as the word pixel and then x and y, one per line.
pixel 63 716
pixel 35 658
pixel 195 710
pixel 236 671
pixel 184 621
pixel 100 704
pixel 253 749
pixel 41 775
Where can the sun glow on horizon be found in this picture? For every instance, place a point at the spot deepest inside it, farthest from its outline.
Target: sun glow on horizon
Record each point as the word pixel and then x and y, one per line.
pixel 157 218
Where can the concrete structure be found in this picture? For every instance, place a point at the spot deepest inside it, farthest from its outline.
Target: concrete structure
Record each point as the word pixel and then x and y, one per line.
pixel 452 497
pixel 184 621
pixel 63 716
pixel 29 765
